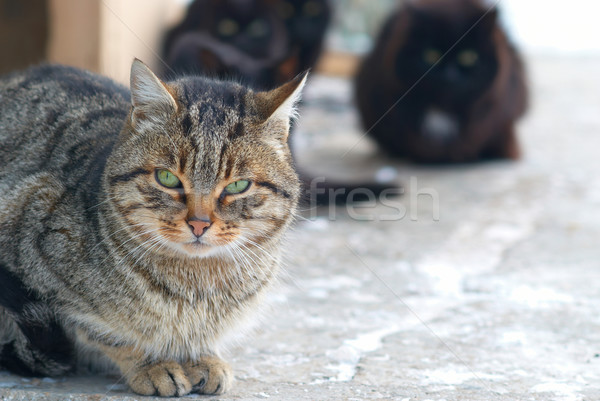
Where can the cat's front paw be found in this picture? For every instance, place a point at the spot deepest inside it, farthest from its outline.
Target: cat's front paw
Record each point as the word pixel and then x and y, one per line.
pixel 162 378
pixel 209 375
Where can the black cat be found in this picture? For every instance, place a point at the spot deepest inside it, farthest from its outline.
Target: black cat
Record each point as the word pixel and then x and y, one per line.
pixel 449 80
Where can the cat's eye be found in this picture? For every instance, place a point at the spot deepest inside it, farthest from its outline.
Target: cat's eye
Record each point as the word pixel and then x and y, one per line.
pixel 167 179
pixel 312 8
pixel 258 28
pixel 432 56
pixel 467 58
pixel 236 187
pixel 227 27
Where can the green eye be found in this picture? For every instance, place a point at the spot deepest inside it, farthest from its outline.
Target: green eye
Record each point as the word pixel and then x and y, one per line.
pixel 237 187
pixel 167 179
pixel 468 58
pixel 432 56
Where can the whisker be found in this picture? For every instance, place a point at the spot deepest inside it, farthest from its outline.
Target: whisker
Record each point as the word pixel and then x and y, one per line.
pixel 125 243
pixel 155 242
pixel 258 264
pixel 110 236
pixel 260 247
pixel 244 259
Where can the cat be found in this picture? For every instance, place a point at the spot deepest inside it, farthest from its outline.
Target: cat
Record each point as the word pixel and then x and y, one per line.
pixel 264 42
pixel 443 84
pixel 142 225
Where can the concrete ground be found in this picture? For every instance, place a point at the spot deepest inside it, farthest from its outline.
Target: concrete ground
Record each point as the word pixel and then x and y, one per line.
pixel 481 283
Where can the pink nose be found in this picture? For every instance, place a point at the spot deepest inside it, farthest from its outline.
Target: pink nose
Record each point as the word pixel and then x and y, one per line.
pixel 198 226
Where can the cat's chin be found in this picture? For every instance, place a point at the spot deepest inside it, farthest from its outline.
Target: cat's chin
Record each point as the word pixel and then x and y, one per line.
pixel 194 249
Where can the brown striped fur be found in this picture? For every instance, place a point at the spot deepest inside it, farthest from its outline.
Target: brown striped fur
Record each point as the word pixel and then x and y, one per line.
pixel 97 255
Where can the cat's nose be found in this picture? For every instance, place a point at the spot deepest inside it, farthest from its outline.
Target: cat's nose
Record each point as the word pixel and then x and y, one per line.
pixel 199 226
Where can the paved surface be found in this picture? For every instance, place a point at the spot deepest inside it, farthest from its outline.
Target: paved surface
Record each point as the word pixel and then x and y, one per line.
pixel 481 283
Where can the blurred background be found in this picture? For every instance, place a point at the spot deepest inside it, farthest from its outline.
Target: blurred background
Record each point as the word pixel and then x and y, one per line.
pixel 105 35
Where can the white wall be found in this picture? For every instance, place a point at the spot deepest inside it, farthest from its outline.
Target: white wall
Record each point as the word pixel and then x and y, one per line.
pixel 570 27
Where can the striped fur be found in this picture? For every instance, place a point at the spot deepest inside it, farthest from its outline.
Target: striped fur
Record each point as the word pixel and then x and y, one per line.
pixel 96 253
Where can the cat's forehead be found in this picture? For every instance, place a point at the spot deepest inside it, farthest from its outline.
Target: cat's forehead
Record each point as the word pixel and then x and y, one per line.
pixel 210 115
pixel 207 103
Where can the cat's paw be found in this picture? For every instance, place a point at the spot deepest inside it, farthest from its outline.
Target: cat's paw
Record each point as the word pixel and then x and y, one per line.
pixel 209 375
pixel 162 378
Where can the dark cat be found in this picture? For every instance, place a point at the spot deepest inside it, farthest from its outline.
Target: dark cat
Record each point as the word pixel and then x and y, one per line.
pixel 443 84
pixel 263 42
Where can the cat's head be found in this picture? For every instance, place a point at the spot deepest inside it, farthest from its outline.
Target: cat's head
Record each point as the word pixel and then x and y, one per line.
pixel 449 49
pixel 204 166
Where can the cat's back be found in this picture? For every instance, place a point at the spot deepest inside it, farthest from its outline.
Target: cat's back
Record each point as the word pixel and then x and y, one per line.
pixel 50 114
pixel 62 85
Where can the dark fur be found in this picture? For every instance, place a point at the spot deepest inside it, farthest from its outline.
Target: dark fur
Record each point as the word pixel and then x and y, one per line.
pixel 447 112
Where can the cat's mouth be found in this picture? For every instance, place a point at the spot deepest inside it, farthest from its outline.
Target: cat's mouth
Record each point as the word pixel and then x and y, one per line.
pixel 197 248
pixel 197 245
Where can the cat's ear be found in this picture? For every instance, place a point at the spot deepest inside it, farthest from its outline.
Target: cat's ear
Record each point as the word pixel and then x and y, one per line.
pixel 280 104
pixel 150 98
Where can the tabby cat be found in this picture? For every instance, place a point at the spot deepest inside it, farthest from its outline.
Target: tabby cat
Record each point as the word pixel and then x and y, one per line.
pixel 144 231
pixel 443 84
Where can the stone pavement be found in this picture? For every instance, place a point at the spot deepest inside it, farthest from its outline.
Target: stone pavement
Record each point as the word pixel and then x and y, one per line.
pixel 481 283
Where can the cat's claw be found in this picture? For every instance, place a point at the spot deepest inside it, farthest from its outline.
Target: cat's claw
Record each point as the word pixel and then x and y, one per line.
pixel 209 375
pixel 165 379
